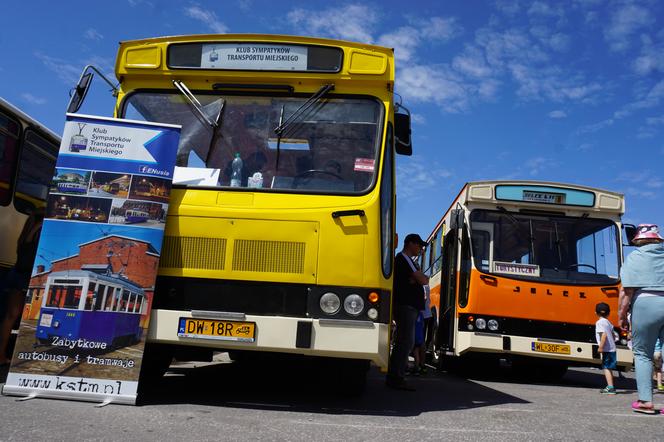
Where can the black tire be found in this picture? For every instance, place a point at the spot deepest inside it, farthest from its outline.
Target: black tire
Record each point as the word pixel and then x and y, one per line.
pixel 156 360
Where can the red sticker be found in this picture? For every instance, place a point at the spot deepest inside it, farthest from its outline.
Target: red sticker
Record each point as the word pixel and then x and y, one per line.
pixel 364 164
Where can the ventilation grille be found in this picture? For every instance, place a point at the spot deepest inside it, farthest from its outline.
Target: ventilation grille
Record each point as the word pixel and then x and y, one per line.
pixel 268 256
pixel 191 252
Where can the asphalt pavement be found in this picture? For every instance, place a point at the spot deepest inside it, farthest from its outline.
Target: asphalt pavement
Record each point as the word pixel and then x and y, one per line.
pixel 235 401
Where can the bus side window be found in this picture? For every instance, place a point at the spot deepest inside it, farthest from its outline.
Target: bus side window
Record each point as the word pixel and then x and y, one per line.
pixel 464 273
pixel 9 131
pixel 35 171
pixel 436 252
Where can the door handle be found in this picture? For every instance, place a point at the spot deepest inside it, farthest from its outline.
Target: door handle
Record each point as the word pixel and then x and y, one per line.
pixel 340 213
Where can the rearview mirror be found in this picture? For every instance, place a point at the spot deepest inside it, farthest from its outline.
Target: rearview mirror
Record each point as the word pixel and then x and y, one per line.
pixel 456 219
pixel 403 142
pixel 80 91
pixel 630 233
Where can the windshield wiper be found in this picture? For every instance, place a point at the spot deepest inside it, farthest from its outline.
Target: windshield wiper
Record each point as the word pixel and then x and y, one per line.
pixel 283 125
pixel 531 237
pixel 198 111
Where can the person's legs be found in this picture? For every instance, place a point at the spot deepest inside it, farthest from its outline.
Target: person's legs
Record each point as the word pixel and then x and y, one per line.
pixel 405 317
pixel 13 311
pixel 647 323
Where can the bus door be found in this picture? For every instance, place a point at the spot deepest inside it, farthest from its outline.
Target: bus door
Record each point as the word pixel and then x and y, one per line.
pixel 448 286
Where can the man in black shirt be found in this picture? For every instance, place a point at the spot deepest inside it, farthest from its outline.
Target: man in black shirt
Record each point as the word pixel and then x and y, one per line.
pixel 407 301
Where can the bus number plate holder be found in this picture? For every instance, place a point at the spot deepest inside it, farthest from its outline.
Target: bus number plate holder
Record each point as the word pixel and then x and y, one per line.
pixel 215 329
pixel 546 347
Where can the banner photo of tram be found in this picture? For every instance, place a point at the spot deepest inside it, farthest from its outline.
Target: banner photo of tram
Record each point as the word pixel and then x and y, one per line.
pixel 88 304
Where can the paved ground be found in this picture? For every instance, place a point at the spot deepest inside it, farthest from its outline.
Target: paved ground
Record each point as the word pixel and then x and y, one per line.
pixel 245 402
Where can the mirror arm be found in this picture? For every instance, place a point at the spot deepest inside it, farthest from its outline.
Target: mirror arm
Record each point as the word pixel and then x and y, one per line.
pixel 114 88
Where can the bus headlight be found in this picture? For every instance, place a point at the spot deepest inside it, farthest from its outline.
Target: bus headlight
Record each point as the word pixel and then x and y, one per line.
pixel 330 303
pixel 492 324
pixel 480 324
pixel 372 313
pixel 353 304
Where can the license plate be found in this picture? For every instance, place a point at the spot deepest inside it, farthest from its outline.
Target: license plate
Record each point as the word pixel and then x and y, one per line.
pixel 545 347
pixel 213 329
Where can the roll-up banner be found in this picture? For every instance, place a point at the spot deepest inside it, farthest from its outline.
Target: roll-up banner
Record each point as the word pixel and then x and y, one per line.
pixel 87 309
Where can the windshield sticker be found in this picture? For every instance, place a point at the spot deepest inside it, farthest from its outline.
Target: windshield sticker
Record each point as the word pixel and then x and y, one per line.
pixel 511 268
pixel 364 165
pixel 254 56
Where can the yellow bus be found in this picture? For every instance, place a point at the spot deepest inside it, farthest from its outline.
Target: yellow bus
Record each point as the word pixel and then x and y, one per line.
pixel 516 270
pixel 279 236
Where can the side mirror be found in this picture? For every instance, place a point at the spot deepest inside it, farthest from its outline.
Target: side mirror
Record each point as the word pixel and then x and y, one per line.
pixel 630 233
pixel 80 91
pixel 83 85
pixel 456 219
pixel 402 139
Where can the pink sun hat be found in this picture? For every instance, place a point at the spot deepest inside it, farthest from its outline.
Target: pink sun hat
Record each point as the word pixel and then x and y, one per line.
pixel 647 231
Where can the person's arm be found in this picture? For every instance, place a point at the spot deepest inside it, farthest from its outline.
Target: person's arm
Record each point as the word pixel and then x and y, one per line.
pixel 420 277
pixel 624 303
pixel 602 341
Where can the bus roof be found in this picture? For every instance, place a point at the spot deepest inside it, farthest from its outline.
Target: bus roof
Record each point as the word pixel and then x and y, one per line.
pixel 4 104
pixel 493 183
pixel 259 37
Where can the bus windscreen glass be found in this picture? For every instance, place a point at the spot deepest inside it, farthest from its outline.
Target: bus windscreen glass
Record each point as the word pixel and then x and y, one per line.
pixel 554 249
pixel 332 147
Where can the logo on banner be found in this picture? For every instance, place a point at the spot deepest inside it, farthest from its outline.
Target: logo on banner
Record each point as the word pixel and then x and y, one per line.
pixel 153 171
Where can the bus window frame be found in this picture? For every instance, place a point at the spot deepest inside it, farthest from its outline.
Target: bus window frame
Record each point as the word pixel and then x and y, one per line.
pixel 387 258
pixel 249 71
pixel 24 145
pixel 609 280
pixel 17 156
pixel 465 267
pixel 380 138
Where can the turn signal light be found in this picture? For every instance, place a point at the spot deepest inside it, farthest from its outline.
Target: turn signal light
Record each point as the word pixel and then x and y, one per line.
pixel 373 297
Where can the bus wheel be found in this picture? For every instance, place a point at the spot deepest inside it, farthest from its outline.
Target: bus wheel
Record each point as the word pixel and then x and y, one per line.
pixel 156 360
pixel 349 376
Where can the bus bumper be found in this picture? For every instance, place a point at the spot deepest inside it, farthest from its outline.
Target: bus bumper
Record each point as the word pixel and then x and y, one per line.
pixel 580 352
pixel 330 338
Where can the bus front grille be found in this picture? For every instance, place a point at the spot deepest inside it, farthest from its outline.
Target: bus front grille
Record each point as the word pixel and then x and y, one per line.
pixel 191 252
pixel 268 256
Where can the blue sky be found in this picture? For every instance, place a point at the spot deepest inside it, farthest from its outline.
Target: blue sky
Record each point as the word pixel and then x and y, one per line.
pixel 569 91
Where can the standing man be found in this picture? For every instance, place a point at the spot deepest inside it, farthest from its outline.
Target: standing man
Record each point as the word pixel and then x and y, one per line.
pixel 407 301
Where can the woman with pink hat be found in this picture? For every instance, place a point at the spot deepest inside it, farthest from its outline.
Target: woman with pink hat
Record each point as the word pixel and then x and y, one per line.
pixel 642 278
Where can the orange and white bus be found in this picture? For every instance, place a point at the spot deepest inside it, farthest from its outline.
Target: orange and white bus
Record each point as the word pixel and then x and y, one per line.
pixel 517 268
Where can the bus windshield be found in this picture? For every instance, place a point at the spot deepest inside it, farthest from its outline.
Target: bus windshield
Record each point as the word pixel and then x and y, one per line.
pixel 555 249
pixel 332 147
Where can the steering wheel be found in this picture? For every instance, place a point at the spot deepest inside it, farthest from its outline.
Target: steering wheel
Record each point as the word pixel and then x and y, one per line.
pixel 297 178
pixel 582 265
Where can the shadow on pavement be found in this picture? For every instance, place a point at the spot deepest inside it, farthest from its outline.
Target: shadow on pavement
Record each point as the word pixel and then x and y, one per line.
pixel 244 386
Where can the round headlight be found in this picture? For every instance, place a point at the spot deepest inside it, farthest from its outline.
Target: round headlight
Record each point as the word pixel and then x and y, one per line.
pixel 372 313
pixel 492 324
pixel 480 324
pixel 353 304
pixel 330 303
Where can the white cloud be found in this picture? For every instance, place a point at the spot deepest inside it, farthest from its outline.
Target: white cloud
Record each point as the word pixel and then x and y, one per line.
pixel 418 118
pixel 416 176
pixel 651 59
pixel 535 165
pixel 557 114
pixel 473 63
pixel 92 34
pixel 28 97
pixel 437 84
pixel 651 99
pixel 404 40
pixel 65 71
pixel 645 178
pixel 353 22
pixel 626 21
pixel 209 18
pixel 585 147
pixel 655 121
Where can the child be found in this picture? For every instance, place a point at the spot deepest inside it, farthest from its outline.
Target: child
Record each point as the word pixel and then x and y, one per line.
pixel 607 345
